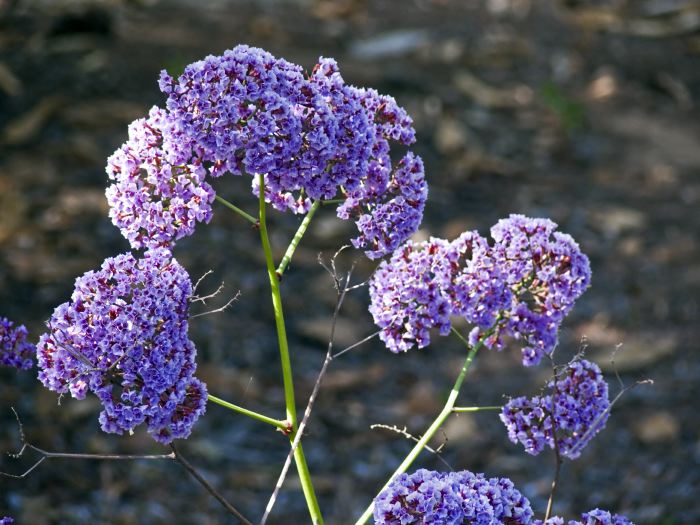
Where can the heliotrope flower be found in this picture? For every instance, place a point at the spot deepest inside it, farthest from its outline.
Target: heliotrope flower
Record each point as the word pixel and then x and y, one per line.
pixel 123 336
pixel 15 350
pixel 158 193
pixel 6 521
pixel 593 517
pixel 575 411
pixel 451 498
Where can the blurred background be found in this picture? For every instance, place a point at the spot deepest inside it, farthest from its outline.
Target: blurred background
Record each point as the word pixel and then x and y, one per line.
pixel 582 111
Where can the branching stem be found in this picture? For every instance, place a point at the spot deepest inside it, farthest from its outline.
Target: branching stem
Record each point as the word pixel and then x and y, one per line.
pixel 282 425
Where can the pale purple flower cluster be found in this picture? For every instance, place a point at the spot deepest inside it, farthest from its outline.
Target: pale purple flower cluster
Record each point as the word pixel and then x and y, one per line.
pixel 310 137
pixel 409 296
pixel 454 498
pixel 6 521
pixel 593 517
pixel 15 350
pixel 123 336
pixel 158 192
pixel 575 411
pixel 521 286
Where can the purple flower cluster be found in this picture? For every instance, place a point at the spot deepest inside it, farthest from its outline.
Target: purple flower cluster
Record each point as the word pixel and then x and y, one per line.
pixel 159 192
pixel 575 411
pixel 593 517
pixel 454 498
pixel 15 350
pixel 408 294
pixel 246 112
pixel 124 337
pixel 521 286
pixel 6 521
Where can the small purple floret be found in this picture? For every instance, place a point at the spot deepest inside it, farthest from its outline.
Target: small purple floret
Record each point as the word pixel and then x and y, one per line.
pixel 15 350
pixel 124 338
pixel 580 406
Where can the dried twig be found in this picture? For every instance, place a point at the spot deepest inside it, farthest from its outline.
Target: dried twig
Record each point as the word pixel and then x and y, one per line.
pixel 177 456
pixel 404 432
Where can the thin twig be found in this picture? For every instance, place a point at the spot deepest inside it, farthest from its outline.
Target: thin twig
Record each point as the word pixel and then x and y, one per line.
pixel 199 281
pixel 355 345
pixel 557 453
pixel 45 454
pixel 208 486
pixel 217 310
pixel 405 433
pixel 312 398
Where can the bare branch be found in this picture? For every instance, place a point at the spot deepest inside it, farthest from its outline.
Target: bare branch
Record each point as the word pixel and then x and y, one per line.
pixel 199 281
pixel 45 454
pixel 404 432
pixel 217 310
pixel 177 456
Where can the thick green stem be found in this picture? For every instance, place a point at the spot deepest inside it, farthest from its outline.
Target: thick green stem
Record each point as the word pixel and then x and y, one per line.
pixel 434 427
pixel 282 425
pixel 236 209
pixel 457 410
pixel 290 404
pixel 297 238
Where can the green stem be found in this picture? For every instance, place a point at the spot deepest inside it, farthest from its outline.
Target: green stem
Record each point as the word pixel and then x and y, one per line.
pixel 290 404
pixel 239 211
pixel 474 409
pixel 333 201
pixel 282 425
pixel 297 238
pixel 434 427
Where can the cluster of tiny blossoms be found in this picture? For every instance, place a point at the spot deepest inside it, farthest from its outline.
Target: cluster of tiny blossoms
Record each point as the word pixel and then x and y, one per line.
pixel 593 517
pixel 6 521
pixel 15 350
pixel 123 336
pixel 575 411
pixel 522 285
pixel 311 137
pixel 454 498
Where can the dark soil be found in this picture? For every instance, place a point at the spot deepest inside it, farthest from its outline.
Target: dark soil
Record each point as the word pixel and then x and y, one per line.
pixel 577 111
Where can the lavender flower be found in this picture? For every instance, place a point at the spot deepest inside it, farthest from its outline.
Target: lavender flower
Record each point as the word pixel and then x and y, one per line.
pixel 124 337
pixel 15 350
pixel 159 193
pixel 578 407
pixel 427 497
pixel 593 517
pixel 6 521
pixel 408 294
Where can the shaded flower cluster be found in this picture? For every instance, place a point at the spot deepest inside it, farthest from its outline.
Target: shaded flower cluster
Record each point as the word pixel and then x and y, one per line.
pixel 15 350
pixel 311 137
pixel 454 498
pixel 6 521
pixel 520 286
pixel 158 192
pixel 123 336
pixel 593 517
pixel 575 411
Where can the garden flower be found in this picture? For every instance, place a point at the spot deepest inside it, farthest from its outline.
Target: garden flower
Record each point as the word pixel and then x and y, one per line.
pixel 123 336
pixel 429 497
pixel 15 350
pixel 158 192
pixel 593 517
pixel 575 411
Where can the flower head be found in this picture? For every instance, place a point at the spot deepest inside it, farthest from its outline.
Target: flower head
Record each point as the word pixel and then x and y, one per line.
pixel 575 411
pixel 593 517
pixel 428 497
pixel 158 192
pixel 408 294
pixel 124 337
pixel 15 350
